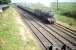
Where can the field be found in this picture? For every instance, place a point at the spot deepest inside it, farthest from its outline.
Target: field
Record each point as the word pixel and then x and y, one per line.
pixel 66 13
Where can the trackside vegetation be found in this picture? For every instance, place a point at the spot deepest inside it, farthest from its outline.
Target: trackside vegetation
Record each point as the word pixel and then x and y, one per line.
pixel 10 38
pixel 66 12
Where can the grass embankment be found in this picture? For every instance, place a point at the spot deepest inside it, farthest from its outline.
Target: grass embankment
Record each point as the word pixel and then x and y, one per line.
pixel 66 21
pixel 65 13
pixel 10 39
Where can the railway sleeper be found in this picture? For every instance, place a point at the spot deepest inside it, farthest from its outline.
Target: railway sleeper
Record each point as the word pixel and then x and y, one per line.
pixel 55 48
pixel 43 40
pixel 64 47
pixel 64 31
pixel 67 29
pixel 51 47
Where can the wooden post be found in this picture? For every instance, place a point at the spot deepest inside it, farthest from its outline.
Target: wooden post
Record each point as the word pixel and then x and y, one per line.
pixel 57 5
pixel 1 11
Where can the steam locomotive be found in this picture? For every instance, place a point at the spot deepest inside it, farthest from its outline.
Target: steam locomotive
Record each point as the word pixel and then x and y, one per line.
pixel 43 16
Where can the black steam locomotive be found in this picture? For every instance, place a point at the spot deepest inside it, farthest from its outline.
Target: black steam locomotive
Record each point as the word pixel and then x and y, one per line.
pixel 44 16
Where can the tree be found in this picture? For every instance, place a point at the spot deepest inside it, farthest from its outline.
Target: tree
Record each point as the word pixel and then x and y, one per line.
pixel 5 1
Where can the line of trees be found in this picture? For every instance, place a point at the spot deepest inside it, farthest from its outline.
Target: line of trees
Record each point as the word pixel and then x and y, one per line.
pixel 5 1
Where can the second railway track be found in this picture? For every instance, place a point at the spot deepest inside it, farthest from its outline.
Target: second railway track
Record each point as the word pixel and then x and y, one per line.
pixel 52 37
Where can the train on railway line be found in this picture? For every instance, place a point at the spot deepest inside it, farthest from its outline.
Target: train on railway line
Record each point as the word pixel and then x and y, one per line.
pixel 43 16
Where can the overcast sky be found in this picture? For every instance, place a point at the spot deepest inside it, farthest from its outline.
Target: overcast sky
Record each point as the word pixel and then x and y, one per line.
pixel 46 2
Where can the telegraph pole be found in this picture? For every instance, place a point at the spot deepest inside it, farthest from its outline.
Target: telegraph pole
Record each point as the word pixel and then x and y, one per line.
pixel 57 5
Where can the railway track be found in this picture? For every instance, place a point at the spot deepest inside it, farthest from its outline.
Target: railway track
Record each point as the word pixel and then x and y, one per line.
pixel 66 29
pixel 51 37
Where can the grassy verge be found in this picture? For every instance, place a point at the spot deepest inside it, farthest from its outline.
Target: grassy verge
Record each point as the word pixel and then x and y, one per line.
pixel 9 39
pixel 9 33
pixel 69 22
